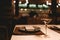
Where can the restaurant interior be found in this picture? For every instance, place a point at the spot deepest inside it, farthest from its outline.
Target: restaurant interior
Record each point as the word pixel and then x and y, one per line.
pixel 29 19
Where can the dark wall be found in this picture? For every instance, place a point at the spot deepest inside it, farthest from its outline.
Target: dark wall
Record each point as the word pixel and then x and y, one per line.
pixel 6 18
pixel 5 6
pixel 54 11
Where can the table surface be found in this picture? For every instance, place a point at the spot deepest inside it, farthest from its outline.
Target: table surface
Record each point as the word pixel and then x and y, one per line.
pixel 51 35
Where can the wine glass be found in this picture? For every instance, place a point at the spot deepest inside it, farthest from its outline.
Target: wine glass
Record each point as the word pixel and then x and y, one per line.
pixel 46 22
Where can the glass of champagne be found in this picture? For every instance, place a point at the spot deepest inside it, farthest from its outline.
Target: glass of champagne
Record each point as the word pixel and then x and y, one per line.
pixel 46 22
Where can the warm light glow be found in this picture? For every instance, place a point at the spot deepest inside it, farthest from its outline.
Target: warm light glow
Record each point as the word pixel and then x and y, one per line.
pixel 14 1
pixel 40 9
pixel 20 2
pixel 25 9
pixel 26 2
pixel 21 9
pixel 57 6
pixel 48 3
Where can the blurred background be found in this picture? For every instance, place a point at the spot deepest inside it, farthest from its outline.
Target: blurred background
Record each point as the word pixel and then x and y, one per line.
pixel 43 9
pixel 14 12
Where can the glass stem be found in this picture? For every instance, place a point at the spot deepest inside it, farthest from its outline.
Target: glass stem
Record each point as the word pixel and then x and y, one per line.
pixel 46 28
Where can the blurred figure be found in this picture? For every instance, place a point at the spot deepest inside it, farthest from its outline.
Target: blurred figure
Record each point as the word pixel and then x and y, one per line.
pixel 33 18
pixel 33 14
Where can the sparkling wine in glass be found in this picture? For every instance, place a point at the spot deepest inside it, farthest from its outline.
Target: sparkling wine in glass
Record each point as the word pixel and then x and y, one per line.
pixel 46 22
